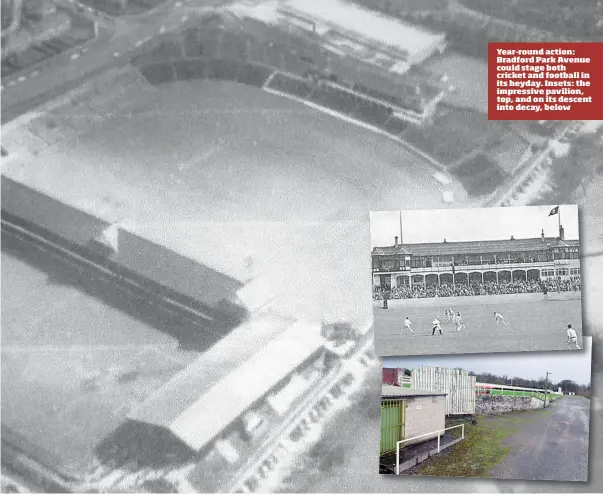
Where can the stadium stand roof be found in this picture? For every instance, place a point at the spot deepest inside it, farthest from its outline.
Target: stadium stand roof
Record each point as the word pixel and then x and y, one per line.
pixel 165 265
pixel 211 393
pixel 393 392
pixel 233 250
pixel 473 247
pixel 384 30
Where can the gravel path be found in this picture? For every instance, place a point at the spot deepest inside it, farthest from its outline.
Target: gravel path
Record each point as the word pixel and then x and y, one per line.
pixel 553 446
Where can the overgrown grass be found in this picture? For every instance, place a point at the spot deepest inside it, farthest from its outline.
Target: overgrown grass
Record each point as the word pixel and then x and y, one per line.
pixel 483 448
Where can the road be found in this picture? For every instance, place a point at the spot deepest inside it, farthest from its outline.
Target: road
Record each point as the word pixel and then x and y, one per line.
pixel 60 74
pixel 551 447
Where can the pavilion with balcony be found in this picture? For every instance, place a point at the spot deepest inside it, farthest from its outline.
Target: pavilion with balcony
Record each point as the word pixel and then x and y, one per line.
pixel 475 262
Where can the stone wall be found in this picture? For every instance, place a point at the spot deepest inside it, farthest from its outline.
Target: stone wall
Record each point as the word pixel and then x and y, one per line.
pixel 497 404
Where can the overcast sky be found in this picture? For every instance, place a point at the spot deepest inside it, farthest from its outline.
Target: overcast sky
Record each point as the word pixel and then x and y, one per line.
pixel 570 365
pixel 471 224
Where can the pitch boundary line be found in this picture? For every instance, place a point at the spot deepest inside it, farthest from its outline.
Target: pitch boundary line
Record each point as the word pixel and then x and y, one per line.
pixel 351 120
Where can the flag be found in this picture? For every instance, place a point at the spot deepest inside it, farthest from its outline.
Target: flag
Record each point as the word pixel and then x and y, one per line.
pixel 554 211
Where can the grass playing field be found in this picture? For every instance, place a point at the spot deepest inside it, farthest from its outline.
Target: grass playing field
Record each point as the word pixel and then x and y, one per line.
pixel 73 365
pixel 532 324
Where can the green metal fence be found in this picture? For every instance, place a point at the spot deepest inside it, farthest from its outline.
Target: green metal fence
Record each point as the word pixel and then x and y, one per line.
pixel 393 415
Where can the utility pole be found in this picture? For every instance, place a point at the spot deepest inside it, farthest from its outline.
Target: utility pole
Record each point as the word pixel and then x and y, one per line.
pixel 546 381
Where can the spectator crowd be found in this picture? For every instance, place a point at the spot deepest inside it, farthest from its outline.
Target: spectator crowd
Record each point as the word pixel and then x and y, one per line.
pixel 463 289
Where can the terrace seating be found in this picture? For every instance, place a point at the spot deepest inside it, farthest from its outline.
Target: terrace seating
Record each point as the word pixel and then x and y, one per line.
pixel 479 175
pixel 210 40
pixel 166 50
pixel 273 55
pixel 190 69
pixel 290 85
pixel 254 75
pixel 296 63
pixel 477 289
pixel 233 46
pixel 159 73
pixel 223 70
pixel 373 113
pixel 192 44
pixel 340 101
pixel 379 95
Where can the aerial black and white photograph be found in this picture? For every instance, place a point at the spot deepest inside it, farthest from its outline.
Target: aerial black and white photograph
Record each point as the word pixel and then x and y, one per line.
pixel 186 189
pixel 476 280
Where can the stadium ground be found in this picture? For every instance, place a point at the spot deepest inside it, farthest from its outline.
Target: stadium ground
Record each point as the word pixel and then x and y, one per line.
pixel 532 324
pixel 72 365
pixel 231 155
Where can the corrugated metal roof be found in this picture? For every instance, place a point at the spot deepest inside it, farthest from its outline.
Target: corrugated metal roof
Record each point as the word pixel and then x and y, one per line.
pixel 473 247
pixel 166 403
pixel 197 423
pixel 367 24
pixel 391 391
pixel 169 268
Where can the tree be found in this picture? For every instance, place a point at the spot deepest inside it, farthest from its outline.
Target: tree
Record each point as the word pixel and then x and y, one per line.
pixel 568 386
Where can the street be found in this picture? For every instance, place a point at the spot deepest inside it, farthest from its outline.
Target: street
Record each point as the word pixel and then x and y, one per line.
pixel 553 446
pixel 60 73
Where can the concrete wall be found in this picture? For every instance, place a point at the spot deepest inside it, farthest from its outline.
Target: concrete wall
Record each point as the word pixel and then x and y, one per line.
pixel 497 404
pixel 424 415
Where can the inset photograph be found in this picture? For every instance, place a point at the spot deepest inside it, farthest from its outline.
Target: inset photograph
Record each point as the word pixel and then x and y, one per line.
pixel 508 416
pixel 476 280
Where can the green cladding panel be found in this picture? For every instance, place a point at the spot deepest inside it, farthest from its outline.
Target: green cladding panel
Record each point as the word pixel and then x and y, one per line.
pixel 393 414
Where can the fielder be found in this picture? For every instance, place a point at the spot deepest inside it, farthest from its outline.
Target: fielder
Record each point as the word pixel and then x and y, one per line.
pixel 459 322
pixel 436 326
pixel 499 319
pixel 407 324
pixel 572 338
pixel 450 314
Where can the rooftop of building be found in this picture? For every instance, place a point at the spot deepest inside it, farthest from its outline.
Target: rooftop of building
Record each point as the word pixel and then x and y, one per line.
pixel 446 248
pixel 188 405
pixel 366 24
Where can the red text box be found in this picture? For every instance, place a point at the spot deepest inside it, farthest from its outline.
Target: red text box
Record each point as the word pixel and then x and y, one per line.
pixel 545 81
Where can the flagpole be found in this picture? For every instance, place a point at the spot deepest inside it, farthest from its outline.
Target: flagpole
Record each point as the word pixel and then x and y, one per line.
pixel 559 218
pixel 401 238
